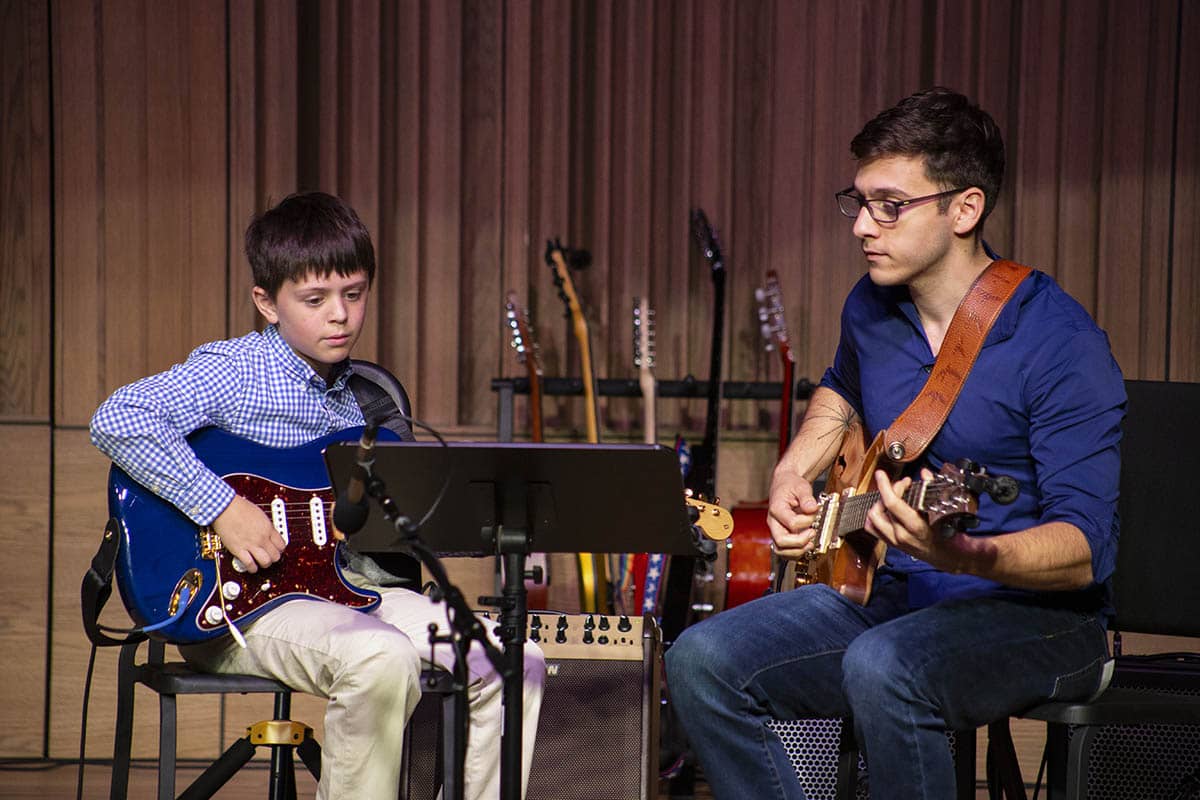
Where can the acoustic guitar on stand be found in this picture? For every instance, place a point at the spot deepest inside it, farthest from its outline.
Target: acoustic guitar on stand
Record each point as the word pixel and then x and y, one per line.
pixel 751 565
pixel 594 589
pixel 524 344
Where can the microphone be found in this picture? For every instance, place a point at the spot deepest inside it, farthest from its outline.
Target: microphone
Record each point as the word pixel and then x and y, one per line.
pixel 350 513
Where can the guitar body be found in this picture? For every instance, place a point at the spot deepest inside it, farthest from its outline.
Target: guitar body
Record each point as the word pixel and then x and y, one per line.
pixel 161 550
pixel 847 562
pixel 750 563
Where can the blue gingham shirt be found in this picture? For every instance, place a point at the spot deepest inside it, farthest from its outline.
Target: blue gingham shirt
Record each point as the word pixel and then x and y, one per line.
pixel 255 387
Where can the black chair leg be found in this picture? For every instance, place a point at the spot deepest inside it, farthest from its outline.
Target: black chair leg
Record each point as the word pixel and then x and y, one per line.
pixel 847 767
pixel 166 746
pixel 123 735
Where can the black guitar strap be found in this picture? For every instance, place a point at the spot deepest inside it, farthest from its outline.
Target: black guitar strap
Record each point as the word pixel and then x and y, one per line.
pixel 97 587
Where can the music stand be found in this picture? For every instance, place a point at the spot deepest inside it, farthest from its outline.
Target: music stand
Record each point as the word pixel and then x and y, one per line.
pixel 511 499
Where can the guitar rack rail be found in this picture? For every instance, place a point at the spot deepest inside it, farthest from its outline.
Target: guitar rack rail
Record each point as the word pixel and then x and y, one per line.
pixel 506 388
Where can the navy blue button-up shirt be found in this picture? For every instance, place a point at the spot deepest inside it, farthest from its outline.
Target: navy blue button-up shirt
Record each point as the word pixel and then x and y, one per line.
pixel 1043 404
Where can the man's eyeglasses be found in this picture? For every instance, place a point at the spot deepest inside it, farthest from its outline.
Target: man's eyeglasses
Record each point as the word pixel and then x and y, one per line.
pixel 851 202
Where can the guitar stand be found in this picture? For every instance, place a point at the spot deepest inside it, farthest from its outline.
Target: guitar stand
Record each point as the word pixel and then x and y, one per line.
pixel 277 733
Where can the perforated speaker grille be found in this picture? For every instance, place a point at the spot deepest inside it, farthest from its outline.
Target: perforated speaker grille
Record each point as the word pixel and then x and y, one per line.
pixel 1147 761
pixel 812 746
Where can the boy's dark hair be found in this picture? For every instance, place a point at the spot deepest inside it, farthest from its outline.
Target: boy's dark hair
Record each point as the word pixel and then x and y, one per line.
pixel 959 141
pixel 312 232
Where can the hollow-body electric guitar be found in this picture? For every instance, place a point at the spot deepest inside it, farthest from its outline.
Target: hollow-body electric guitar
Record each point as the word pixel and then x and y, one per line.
pixel 167 562
pixel 845 555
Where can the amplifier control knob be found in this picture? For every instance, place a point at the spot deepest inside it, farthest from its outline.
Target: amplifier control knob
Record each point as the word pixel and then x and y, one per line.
pixel 624 625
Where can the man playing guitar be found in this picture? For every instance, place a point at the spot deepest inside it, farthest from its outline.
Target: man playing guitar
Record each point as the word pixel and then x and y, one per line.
pixel 957 629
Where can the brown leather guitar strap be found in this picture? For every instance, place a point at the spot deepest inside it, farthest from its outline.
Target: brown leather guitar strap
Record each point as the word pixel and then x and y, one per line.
pixel 916 426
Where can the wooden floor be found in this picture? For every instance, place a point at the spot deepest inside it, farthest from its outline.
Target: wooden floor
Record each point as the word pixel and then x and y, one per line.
pixel 46 780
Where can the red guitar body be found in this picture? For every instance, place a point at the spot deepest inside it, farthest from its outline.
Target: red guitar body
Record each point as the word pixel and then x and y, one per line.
pixel 750 570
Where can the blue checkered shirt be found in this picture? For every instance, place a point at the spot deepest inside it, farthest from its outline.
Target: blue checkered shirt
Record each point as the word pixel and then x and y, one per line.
pixel 255 387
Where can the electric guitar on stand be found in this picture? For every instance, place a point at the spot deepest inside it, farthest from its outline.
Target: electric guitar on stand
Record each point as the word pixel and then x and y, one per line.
pixel 524 344
pixel 594 590
pixel 649 570
pixel 691 580
pixel 751 565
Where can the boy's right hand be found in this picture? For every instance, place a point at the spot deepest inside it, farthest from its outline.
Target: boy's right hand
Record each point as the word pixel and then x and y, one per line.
pixel 248 534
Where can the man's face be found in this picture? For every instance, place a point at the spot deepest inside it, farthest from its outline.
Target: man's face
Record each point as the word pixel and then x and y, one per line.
pixel 904 251
pixel 319 317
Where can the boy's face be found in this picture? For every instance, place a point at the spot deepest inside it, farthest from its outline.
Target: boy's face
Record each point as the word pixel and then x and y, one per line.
pixel 319 317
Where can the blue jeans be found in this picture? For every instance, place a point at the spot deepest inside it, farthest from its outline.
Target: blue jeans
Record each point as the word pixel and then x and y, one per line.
pixel 904 676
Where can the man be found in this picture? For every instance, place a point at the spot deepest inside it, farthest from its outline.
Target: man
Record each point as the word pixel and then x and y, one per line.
pixel 957 631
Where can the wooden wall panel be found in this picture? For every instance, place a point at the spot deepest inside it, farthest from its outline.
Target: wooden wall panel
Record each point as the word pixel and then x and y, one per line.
pixel 24 213
pixel 25 591
pixel 80 476
pixel 140 175
pixel 1184 266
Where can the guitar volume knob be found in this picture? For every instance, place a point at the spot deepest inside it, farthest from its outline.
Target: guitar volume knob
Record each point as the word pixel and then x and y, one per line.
pixel 213 615
pixel 231 590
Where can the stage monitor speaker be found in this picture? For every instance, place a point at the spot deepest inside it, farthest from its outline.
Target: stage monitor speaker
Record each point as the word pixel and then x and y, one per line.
pixel 1148 761
pixel 813 745
pixel 598 731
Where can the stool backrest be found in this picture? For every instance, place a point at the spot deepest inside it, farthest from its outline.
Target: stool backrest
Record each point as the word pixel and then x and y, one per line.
pixel 1157 582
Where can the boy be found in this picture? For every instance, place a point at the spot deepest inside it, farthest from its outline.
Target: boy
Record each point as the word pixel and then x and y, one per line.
pixel 313 265
pixel 957 631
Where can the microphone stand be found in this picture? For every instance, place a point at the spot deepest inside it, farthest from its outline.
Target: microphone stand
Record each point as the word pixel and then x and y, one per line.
pixel 466 628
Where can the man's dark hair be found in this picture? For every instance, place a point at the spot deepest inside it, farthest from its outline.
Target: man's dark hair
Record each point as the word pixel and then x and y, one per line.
pixel 307 233
pixel 959 141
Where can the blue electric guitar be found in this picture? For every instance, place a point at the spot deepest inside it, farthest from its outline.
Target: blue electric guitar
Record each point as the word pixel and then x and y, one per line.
pixel 166 561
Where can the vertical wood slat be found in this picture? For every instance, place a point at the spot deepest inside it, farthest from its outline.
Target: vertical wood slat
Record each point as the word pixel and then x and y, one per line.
pixel 24 593
pixel 1184 331
pixel 25 211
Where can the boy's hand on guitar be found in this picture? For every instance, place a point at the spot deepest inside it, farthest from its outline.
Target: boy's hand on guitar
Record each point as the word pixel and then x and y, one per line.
pixel 248 534
pixel 790 515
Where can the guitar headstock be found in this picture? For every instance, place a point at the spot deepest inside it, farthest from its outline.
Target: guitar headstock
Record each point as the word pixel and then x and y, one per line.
pixel 561 259
pixel 643 334
pixel 771 316
pixel 947 500
pixel 713 521
pixel 521 337
pixel 710 243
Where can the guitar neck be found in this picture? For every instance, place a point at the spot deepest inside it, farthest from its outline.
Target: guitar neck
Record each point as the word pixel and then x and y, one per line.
pixel 785 406
pixel 589 379
pixel 649 396
pixel 852 515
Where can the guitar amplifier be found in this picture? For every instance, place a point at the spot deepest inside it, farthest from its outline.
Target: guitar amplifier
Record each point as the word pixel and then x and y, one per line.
pixel 813 746
pixel 598 730
pixel 1144 761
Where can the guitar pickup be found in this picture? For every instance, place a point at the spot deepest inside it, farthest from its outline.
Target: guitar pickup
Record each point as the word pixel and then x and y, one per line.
pixel 279 517
pixel 316 512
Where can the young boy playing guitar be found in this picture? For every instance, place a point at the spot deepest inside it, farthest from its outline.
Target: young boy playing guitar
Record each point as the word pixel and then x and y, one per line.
pixel 313 263
pixel 959 629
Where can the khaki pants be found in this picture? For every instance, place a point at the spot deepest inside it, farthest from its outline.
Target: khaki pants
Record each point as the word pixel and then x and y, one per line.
pixel 368 666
